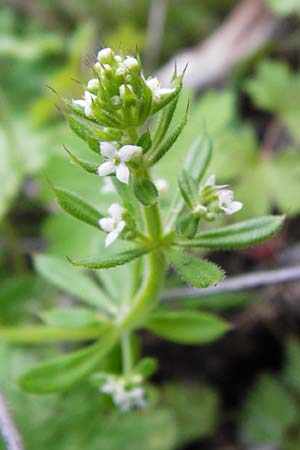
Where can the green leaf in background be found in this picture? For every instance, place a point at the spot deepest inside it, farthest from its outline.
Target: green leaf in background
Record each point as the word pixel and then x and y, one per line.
pixel 196 410
pixel 187 327
pixel 269 412
pixel 285 8
pixel 77 207
pixel 63 276
pixel 277 89
pixel 188 188
pixel 61 373
pixel 291 369
pixel 81 418
pixel 112 261
pixel 195 271
pixel 239 235
pixel 72 317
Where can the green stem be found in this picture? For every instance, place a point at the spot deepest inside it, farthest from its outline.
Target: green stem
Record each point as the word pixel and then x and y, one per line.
pixel 126 353
pixel 148 295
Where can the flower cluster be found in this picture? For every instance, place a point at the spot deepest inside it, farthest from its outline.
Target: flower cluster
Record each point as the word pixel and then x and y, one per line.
pixel 114 224
pixel 215 200
pixel 124 397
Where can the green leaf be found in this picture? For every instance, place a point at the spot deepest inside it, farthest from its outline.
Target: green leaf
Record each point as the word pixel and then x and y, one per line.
pixel 77 207
pixel 188 188
pixel 159 152
pixel 84 131
pixel 238 235
pixel 146 367
pixel 187 226
pixel 195 271
pixel 196 409
pixel 62 275
pixel 198 157
pixel 42 334
pixel 187 327
pixel 291 369
pixel 163 122
pixel 145 191
pixel 63 372
pixel 145 141
pixel 269 412
pixel 112 261
pixel 167 98
pixel 285 8
pixel 89 166
pixel 72 317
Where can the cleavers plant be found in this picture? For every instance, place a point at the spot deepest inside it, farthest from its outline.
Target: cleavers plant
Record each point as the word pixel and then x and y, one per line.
pixel 114 118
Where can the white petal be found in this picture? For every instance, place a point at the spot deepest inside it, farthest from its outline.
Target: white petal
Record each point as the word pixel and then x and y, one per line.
pixel 107 224
pixel 105 54
pixel 79 102
pixel 107 186
pixel 116 211
pixel 108 150
pixel 165 91
pixel 211 180
pixel 111 237
pixel 153 84
pixel 106 168
pixel 120 227
pixel 234 207
pixel 122 173
pixel 161 184
pixel 128 151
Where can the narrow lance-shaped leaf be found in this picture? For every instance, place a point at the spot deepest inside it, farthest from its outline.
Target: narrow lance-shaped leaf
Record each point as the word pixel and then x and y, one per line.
pixel 89 166
pixel 195 271
pixel 198 158
pixel 63 372
pixel 188 188
pixel 238 235
pixel 145 191
pixel 41 334
pixel 62 275
pixel 163 121
pixel 187 327
pixel 168 143
pixel 112 261
pixel 83 131
pixel 77 207
pixel 145 141
pixel 73 317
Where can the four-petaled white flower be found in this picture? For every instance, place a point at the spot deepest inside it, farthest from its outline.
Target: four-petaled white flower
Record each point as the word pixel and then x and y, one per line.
pixel 157 91
pixel 117 160
pixel 114 224
pixel 86 103
pixel 227 203
pixel 215 199
pixel 126 399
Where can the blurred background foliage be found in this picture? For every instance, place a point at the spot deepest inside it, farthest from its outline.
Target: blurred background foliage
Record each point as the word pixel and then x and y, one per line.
pixel 254 120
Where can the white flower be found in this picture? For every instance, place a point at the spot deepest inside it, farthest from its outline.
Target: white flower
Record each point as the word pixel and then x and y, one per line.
pixel 215 199
pixel 161 184
pixel 107 186
pixel 227 204
pixel 105 55
pixel 117 160
pixel 157 91
pixel 131 63
pixel 113 225
pixel 86 103
pixel 125 399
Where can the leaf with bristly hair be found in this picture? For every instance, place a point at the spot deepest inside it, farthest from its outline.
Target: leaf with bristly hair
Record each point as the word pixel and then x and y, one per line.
pixel 111 261
pixel 195 271
pixel 238 235
pixel 77 207
pixel 89 166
